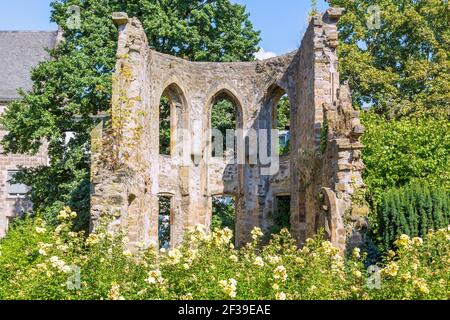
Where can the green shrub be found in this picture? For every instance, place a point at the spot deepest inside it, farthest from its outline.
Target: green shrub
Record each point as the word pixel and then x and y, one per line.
pixel 37 262
pixel 412 210
pixel 397 152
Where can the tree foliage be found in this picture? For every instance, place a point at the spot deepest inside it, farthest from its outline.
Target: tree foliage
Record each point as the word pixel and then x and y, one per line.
pixel 223 116
pixel 164 221
pixel 397 152
pixel 401 65
pixel 283 113
pixel 223 213
pixel 164 126
pixel 283 122
pixel 76 83
pixel 282 214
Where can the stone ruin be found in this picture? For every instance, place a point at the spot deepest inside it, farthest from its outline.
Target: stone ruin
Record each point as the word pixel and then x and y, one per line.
pixel 321 173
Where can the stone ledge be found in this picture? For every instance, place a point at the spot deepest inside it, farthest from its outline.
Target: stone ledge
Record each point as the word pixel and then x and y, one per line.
pixel 335 13
pixel 120 18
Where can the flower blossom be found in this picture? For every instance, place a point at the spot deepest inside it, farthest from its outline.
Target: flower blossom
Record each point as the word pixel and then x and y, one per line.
pixel 259 262
pixel 229 287
pixel 40 230
pixel 256 233
pixel 356 253
pixel 155 277
pixel 280 296
pixel 114 292
pixel 421 285
pixel 280 273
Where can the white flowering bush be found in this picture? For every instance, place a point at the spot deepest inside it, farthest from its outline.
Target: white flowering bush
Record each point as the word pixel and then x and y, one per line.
pixel 38 261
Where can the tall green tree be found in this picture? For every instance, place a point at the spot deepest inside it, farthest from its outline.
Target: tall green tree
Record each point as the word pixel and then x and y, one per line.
pixel 395 54
pixel 401 151
pixel 75 84
pixel 283 113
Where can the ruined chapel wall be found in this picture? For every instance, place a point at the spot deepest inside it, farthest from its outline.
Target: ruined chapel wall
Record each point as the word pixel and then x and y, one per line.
pixel 118 187
pixel 247 83
pixel 190 175
pixel 317 81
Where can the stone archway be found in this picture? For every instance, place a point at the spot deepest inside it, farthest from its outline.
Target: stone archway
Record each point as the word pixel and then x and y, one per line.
pixel 310 79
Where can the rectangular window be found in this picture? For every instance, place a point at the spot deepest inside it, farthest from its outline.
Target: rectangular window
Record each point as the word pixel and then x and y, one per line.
pixel 165 221
pixel 282 213
pixel 15 189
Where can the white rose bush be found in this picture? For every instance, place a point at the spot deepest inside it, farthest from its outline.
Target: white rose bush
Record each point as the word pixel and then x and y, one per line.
pixel 39 261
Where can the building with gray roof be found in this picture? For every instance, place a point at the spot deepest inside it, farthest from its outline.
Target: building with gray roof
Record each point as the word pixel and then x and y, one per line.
pixel 20 52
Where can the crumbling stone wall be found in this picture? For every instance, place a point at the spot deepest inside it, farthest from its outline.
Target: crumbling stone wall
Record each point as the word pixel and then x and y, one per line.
pixel 321 173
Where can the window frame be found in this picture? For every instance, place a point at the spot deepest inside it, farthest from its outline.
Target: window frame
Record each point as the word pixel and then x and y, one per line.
pixel 9 175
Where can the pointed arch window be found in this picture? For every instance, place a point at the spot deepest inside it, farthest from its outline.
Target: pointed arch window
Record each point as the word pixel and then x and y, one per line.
pixel 281 114
pixel 172 115
pixel 225 118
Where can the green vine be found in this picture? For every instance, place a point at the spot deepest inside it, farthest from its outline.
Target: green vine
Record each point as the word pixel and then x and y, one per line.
pixel 124 121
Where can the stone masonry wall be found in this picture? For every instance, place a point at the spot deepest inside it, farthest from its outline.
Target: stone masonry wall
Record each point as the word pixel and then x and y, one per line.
pixel 128 174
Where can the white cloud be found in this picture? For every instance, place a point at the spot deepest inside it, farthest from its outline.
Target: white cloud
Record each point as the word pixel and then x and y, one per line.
pixel 262 54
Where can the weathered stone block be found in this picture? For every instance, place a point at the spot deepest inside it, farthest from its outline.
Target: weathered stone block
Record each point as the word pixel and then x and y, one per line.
pixel 120 18
pixel 335 13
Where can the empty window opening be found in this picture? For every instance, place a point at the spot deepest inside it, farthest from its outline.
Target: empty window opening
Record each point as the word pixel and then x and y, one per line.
pixel 164 126
pixel 165 221
pixel 223 118
pixel 223 212
pixel 15 189
pixel 282 113
pixel 281 214
pixel 171 117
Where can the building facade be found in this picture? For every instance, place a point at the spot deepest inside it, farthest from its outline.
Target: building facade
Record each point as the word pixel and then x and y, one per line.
pixel 20 52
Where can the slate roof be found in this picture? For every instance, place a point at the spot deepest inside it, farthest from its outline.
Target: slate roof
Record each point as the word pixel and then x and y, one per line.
pixel 20 51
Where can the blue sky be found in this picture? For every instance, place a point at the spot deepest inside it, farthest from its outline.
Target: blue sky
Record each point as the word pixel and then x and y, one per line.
pixel 282 22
